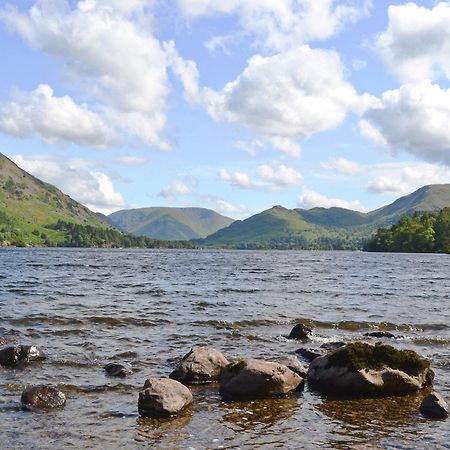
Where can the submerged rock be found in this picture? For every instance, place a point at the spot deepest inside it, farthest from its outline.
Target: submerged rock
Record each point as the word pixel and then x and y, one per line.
pixel 117 370
pixel 300 332
pixel 11 356
pixel 381 334
pixel 163 397
pixel 200 365
pixel 42 397
pixel 363 370
pixel 434 406
pixel 254 378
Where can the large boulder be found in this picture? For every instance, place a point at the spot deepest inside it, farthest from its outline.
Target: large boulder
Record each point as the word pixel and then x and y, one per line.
pixel 163 397
pixel 200 365
pixel 11 356
pixel 434 406
pixel 42 397
pixel 254 378
pixel 300 332
pixel 365 370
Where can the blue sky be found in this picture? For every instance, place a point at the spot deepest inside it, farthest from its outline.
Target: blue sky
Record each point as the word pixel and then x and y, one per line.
pixel 235 106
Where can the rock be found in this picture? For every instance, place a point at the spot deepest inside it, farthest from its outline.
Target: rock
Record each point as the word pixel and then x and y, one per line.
pixel 330 346
pixel 381 334
pixel 293 363
pixel 253 378
pixel 310 354
pixel 200 365
pixel 6 340
pixel 42 397
pixel 360 369
pixel 117 370
pixel 11 356
pixel 163 397
pixel 434 406
pixel 300 332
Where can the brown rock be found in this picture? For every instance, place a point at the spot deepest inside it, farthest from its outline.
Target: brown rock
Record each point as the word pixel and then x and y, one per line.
pixel 42 397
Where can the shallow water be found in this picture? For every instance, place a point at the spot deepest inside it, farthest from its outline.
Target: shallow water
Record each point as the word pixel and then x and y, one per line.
pixel 87 307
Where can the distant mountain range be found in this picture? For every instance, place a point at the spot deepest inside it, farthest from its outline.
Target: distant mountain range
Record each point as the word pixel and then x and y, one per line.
pixel 169 223
pixel 323 228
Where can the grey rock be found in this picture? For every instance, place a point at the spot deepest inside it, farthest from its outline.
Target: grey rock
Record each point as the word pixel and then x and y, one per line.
pixel 293 363
pixel 200 365
pixel 254 378
pixel 331 346
pixel 42 397
pixel 310 354
pixel 11 356
pixel 117 370
pixel 300 332
pixel 163 397
pixel 434 406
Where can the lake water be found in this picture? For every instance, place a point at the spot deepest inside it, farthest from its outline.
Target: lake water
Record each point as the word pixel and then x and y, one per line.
pixel 86 307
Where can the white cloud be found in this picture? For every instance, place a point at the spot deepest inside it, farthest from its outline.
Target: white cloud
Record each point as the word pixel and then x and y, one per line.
pixel 238 179
pixel 279 176
pixel 250 147
pixel 278 24
pixel 343 166
pixel 116 62
pixel 236 211
pixel 54 119
pixel 416 44
pixel 129 160
pixel 414 118
pixel 311 199
pixel 175 189
pixel 91 188
pixel 359 64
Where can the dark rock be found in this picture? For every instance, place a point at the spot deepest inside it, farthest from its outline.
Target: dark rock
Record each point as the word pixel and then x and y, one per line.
pixel 331 346
pixel 11 356
pixel 293 363
pixel 381 334
pixel 42 397
pixel 253 378
pixel 310 354
pixel 200 365
pixel 163 397
pixel 365 370
pixel 434 406
pixel 117 370
pixel 300 332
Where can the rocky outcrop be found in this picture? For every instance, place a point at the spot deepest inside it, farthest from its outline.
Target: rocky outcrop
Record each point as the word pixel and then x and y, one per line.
pixel 364 370
pixel 300 332
pixel 163 397
pixel 434 406
pixel 117 370
pixel 11 356
pixel 200 365
pixel 254 378
pixel 42 397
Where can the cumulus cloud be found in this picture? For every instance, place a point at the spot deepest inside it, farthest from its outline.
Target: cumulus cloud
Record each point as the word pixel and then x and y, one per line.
pixel 54 119
pixel 279 176
pixel 277 24
pixel 91 188
pixel 237 178
pixel 311 199
pixel 114 61
pixel 416 44
pixel 250 147
pixel 175 189
pixel 343 166
pixel 413 118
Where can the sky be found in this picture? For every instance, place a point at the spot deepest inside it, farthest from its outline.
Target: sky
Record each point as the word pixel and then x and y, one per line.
pixel 234 105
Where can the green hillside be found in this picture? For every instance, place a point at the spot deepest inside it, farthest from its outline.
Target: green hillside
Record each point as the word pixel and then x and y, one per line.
pixel 169 223
pixel 28 206
pixel 323 228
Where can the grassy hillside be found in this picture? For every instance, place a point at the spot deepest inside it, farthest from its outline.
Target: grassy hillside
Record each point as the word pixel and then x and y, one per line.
pixel 28 205
pixel 169 223
pixel 323 228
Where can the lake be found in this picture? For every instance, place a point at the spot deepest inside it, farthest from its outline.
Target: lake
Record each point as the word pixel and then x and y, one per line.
pixel 86 308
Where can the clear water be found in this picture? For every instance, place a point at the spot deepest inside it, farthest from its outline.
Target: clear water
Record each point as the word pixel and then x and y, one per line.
pixel 86 307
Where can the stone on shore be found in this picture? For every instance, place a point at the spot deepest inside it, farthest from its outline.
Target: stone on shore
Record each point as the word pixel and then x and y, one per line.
pixel 42 397
pixel 254 378
pixel 360 369
pixel 11 356
pixel 300 332
pixel 293 363
pixel 163 397
pixel 117 370
pixel 200 365
pixel 434 406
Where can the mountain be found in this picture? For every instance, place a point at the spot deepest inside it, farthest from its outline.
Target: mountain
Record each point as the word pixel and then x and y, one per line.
pixel 28 206
pixel 169 223
pixel 323 228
